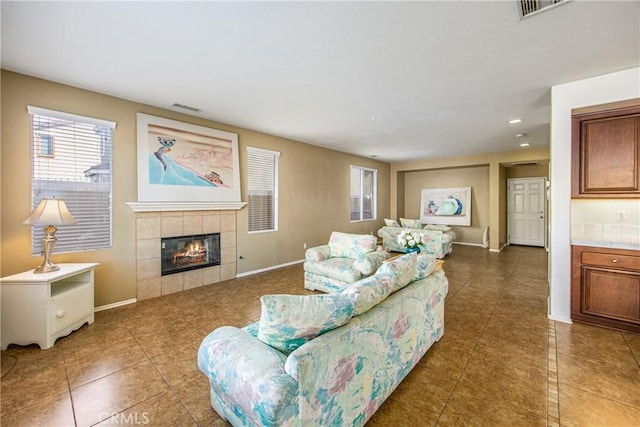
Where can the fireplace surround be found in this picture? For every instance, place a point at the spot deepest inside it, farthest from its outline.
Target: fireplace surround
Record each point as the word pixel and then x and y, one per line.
pixel 152 226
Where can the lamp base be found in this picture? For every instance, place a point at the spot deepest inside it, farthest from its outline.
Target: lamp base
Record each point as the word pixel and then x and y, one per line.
pixel 46 267
pixel 47 245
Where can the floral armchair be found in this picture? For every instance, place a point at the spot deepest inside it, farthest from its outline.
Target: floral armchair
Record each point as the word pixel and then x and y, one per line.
pixel 347 258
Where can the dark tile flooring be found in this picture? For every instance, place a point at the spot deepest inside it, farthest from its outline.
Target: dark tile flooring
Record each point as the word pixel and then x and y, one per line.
pixel 501 362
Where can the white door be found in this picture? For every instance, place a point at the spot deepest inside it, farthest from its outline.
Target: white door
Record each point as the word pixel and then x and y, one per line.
pixel 527 211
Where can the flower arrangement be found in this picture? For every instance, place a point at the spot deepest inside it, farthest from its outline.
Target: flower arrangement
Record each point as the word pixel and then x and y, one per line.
pixel 410 239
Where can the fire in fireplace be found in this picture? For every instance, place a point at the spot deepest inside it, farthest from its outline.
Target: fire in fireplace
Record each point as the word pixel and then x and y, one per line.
pixel 190 252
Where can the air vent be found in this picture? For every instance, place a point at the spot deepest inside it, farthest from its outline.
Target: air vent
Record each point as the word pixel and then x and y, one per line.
pixel 531 7
pixel 186 107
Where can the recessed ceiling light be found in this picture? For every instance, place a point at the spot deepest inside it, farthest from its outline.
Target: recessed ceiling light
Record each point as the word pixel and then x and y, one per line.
pixel 514 121
pixel 524 144
pixel 519 135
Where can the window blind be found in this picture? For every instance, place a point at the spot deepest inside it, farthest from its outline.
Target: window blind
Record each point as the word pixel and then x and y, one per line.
pixel 71 161
pixel 262 183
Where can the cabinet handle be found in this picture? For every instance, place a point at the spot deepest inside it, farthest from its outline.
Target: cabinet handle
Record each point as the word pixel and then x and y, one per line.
pixel 59 314
pixel 615 261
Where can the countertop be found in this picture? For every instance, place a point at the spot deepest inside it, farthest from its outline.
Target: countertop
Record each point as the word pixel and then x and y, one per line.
pixel 605 244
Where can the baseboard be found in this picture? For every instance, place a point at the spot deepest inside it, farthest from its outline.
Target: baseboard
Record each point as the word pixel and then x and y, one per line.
pixel 262 270
pixel 115 304
pixel 560 319
pixel 499 249
pixel 467 244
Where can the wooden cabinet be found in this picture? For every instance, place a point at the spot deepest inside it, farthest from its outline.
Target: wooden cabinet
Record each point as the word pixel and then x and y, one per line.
pixel 605 287
pixel 606 154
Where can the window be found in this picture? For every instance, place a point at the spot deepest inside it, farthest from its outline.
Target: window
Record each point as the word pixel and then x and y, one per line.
pixel 78 172
pixel 363 193
pixel 262 172
pixel 45 145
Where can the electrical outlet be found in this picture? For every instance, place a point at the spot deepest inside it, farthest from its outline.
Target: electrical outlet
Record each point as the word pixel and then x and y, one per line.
pixel 621 215
pixel 304 246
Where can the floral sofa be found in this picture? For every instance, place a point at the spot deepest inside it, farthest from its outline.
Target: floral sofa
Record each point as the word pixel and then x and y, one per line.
pixel 436 241
pixel 347 258
pixel 327 359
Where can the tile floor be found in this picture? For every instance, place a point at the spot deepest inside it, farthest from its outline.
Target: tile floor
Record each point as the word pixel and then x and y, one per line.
pixel 501 362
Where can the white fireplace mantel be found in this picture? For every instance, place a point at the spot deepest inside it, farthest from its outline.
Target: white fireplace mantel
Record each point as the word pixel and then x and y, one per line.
pixel 184 206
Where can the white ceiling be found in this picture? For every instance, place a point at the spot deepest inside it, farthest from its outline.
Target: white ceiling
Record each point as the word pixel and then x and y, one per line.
pixel 396 80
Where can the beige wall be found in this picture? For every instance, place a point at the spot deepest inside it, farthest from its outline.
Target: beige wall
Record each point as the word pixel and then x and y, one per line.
pixel 497 183
pixel 476 177
pixel 528 171
pixel 314 187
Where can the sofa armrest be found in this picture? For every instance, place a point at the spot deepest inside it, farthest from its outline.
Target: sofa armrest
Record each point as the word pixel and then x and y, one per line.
pixel 369 263
pixel 318 253
pixel 248 374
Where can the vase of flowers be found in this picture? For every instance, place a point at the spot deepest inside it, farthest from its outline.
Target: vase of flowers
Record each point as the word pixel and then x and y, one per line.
pixel 410 240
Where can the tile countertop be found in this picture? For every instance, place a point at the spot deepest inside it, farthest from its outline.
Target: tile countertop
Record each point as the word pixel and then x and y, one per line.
pixel 604 244
pixel 618 236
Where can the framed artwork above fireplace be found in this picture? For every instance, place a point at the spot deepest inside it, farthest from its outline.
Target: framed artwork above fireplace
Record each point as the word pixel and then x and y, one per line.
pixel 182 162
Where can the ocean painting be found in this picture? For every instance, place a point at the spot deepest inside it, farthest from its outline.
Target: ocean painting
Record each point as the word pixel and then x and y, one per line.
pixel 186 163
pixel 184 158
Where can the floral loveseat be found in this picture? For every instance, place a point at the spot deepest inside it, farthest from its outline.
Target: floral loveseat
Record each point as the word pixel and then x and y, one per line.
pixel 347 258
pixel 436 241
pixel 331 359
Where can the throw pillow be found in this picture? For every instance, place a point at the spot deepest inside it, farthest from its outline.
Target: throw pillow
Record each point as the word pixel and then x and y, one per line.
pixel 410 223
pixel 391 223
pixel 289 321
pixel 403 267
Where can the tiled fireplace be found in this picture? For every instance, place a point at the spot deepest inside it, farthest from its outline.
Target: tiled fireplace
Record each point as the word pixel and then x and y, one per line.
pixel 152 227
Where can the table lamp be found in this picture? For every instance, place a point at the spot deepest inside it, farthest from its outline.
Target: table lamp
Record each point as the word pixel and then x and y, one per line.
pixel 49 212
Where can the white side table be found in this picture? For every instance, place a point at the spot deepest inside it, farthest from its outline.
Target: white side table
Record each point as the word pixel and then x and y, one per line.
pixel 39 308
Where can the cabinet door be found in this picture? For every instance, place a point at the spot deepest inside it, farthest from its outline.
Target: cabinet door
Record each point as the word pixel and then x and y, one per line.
pixel 606 154
pixel 613 294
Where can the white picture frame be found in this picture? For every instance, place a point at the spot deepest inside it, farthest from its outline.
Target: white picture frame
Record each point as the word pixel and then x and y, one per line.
pixel 182 162
pixel 449 206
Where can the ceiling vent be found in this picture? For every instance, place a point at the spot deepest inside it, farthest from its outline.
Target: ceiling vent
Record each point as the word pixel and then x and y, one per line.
pixel 186 107
pixel 531 7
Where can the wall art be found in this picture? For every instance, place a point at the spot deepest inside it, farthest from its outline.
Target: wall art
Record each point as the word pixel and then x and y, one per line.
pixel 450 206
pixel 181 162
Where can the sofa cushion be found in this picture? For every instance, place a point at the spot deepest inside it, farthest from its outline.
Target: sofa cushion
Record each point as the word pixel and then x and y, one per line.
pixel 437 227
pixel 351 245
pixel 403 267
pixel 411 223
pixel 288 321
pixel 341 269
pixel 370 291
pixel 425 265
pixel 391 223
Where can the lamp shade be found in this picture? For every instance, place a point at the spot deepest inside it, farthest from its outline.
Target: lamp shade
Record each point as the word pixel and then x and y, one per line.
pixel 50 212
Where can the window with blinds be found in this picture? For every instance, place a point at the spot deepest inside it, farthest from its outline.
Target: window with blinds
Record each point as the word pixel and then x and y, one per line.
pixel 262 174
pixel 363 193
pixel 71 161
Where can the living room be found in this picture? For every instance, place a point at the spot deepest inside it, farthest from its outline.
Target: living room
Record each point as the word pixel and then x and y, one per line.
pixel 314 184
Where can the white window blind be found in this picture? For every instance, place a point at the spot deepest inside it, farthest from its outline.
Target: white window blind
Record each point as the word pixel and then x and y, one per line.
pixel 71 161
pixel 262 174
pixel 363 193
